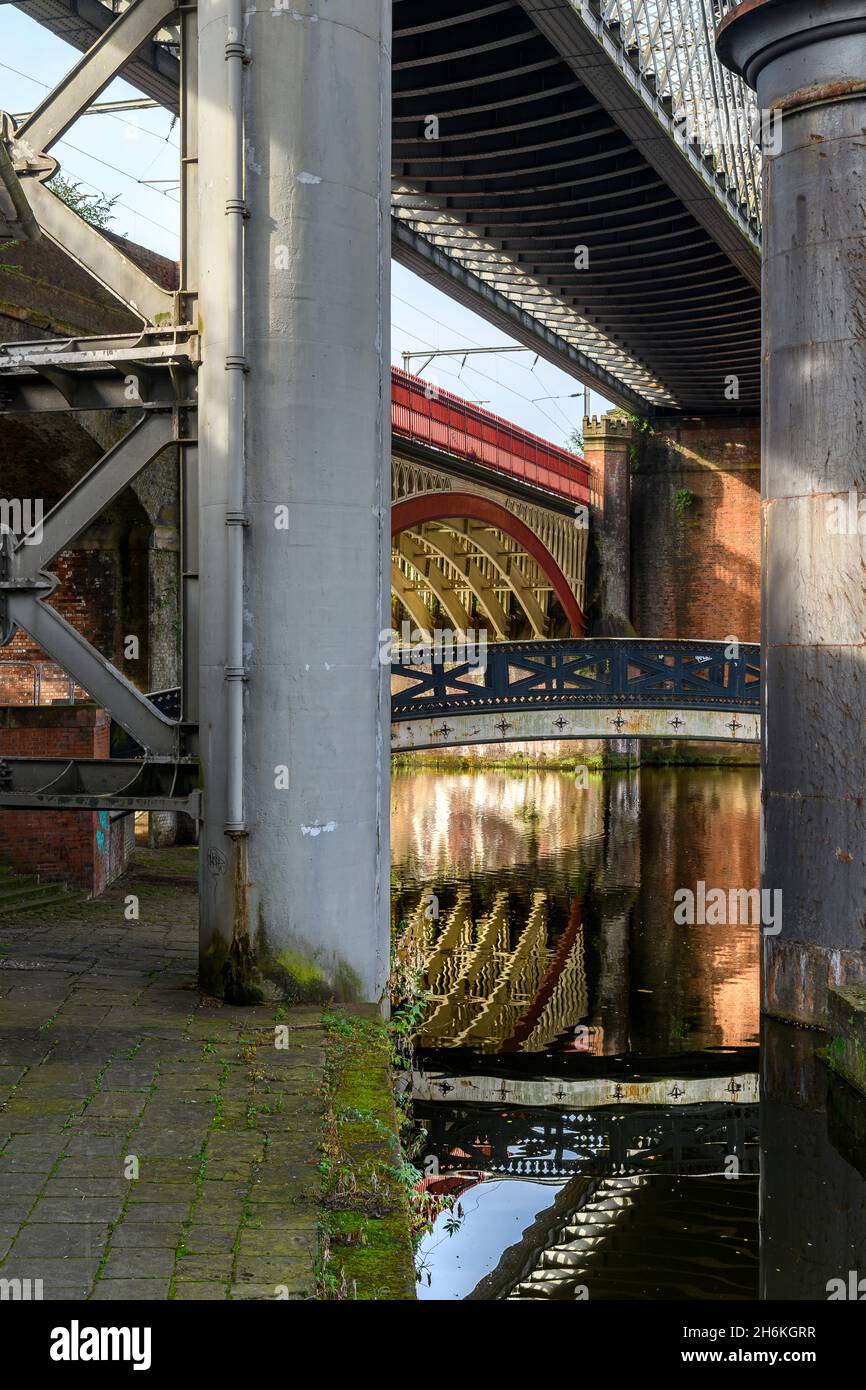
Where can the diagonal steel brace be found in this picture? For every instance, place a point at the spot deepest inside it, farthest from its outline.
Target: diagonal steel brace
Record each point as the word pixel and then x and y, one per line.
pixel 92 74
pixel 25 584
pixel 107 686
pixel 95 491
pixel 99 256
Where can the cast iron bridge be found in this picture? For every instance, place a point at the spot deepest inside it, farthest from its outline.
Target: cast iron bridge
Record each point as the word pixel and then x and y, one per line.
pixel 608 1140
pixel 510 692
pixel 593 688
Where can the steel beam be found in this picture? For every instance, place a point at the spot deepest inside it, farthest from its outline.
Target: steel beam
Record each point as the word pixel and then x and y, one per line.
pixel 93 494
pixel 74 654
pixel 24 585
pixel 17 222
pixel 27 393
pixel 154 70
pixel 99 256
pixel 452 730
pixel 102 62
pixel 172 347
pixel 94 784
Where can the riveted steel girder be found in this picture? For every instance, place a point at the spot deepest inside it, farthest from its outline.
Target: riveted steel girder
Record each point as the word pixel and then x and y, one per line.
pixel 94 784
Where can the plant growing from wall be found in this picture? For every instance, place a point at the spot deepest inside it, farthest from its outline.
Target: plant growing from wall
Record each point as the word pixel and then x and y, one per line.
pixel 684 499
pixel 642 429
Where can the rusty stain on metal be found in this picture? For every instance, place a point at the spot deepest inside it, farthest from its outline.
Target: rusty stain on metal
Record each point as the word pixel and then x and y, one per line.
pixel 820 94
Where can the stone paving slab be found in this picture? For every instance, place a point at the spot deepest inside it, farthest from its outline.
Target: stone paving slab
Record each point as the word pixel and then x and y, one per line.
pixel 152 1146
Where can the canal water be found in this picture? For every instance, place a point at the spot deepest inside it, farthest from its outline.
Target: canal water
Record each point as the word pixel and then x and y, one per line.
pixel 586 1077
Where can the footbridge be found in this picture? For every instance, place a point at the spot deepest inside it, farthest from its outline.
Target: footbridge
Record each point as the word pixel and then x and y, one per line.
pixel 596 688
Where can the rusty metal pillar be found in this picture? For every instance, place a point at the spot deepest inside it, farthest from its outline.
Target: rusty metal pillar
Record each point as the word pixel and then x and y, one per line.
pixel 807 61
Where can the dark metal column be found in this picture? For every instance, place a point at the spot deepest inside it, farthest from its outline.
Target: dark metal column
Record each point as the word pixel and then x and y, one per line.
pixel 807 61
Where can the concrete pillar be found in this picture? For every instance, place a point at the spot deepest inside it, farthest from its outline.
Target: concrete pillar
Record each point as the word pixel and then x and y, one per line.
pixel 296 898
pixel 807 60
pixel 606 445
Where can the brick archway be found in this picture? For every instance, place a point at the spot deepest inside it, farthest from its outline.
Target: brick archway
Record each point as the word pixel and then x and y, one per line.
pixel 446 506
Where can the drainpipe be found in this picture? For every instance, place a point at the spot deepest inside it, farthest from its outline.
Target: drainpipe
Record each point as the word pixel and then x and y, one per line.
pixel 236 366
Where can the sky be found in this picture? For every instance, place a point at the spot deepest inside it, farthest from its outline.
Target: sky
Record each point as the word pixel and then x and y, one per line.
pixel 133 156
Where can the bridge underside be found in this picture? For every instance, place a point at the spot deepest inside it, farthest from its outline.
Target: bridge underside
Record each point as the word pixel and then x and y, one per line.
pixel 553 200
pixel 552 146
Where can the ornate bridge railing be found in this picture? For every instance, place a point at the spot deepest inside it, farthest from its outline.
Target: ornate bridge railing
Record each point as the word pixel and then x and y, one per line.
pixel 602 1141
pixel 602 673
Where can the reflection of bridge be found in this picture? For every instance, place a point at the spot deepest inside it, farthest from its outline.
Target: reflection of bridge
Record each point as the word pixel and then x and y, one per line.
pixel 598 688
pixel 623 1140
pixel 494 988
pixel 631 1237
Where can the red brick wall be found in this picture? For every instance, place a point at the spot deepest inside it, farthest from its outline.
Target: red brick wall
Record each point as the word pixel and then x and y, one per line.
pixel 83 849
pixel 696 573
pixel 102 593
pixel 87 599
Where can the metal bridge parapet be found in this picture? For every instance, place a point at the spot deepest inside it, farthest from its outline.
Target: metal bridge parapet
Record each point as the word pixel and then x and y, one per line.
pixel 596 672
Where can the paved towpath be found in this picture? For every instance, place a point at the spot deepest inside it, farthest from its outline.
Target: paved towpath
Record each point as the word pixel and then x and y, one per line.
pixel 151 1146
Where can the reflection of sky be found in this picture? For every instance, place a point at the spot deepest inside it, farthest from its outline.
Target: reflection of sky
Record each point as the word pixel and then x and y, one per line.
pixel 496 1213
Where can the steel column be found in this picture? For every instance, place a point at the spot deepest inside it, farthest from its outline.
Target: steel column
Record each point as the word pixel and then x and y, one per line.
pixel 807 60
pixel 299 892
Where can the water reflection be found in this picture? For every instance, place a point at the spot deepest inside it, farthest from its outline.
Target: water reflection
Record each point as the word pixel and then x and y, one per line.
pixel 586 1081
pixel 813 1171
pixel 555 923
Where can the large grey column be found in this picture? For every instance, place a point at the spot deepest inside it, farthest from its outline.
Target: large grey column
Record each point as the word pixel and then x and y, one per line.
pixel 807 60
pixel 295 881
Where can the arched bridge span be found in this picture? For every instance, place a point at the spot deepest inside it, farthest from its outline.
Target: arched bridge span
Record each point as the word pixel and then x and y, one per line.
pixel 593 688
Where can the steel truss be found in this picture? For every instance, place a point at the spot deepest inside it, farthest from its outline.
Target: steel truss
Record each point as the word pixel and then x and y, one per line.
pixel 150 374
pixel 596 672
pixel 651 63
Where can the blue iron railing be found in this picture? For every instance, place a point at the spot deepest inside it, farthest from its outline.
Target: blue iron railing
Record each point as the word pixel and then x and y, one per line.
pixel 601 673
